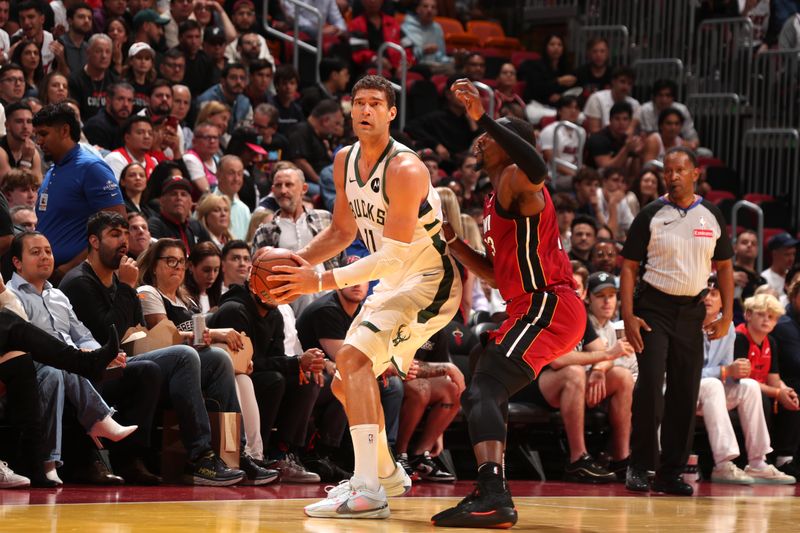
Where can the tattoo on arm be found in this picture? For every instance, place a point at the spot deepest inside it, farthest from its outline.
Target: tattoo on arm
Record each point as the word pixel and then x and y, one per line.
pixel 431 370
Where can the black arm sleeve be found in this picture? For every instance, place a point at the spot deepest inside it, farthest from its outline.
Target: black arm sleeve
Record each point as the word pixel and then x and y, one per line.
pixel 521 151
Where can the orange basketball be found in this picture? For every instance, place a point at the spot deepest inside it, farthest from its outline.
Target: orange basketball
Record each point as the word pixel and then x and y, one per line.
pixel 262 269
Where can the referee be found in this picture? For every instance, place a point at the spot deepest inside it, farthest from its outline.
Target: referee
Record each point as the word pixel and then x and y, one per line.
pixel 674 241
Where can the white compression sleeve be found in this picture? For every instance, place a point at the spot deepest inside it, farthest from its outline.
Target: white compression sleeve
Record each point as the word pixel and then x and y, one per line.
pixel 384 262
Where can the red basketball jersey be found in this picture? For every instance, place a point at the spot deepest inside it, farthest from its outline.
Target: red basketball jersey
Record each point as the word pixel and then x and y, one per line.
pixel 526 251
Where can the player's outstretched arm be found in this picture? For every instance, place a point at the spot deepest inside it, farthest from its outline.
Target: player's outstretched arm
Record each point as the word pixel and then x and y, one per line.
pixel 340 234
pixel 521 152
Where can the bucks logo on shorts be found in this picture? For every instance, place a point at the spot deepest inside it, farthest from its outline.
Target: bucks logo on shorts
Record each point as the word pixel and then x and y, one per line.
pixel 402 335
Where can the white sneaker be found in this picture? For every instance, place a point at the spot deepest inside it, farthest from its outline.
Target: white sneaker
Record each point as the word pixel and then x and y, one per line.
pixel 769 476
pixel 351 499
pixel 397 484
pixel 728 472
pixel 10 480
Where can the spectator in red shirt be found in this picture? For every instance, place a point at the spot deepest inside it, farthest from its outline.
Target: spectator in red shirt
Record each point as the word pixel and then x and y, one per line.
pixel 377 28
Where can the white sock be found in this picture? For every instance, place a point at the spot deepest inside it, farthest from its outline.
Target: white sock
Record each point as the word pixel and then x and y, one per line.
pixel 365 449
pixel 50 472
pixel 386 463
pixel 757 464
pixel 723 463
pixel 782 460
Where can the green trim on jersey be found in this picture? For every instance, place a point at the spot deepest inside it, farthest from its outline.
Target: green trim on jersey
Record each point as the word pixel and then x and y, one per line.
pixel 370 326
pixel 445 286
pixel 386 150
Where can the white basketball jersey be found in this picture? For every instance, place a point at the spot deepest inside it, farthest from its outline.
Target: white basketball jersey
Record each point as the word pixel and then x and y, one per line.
pixel 366 196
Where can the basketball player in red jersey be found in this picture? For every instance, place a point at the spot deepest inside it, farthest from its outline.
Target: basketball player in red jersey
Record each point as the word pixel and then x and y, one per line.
pixel 546 318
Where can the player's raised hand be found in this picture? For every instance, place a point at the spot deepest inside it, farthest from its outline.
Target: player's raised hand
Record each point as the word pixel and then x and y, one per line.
pixel 468 95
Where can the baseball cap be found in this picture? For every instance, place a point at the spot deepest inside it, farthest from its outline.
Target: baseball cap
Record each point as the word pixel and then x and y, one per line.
pixel 599 281
pixel 176 182
pixel 213 35
pixel 149 15
pixel 782 240
pixel 140 47
pixel 250 137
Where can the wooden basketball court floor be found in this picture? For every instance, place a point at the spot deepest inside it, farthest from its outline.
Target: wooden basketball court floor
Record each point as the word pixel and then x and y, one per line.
pixel 546 507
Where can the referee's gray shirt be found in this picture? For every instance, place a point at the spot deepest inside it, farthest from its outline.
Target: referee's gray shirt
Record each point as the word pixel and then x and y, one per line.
pixel 676 246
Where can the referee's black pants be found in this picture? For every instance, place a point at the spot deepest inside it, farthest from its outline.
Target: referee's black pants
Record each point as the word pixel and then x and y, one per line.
pixel 675 347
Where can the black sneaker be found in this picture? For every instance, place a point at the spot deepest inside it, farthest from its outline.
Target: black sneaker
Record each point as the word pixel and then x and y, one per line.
pixel 428 470
pixel 791 468
pixel 211 471
pixel 586 470
pixel 329 472
pixel 672 485
pixel 255 474
pixel 619 469
pixel 637 480
pixel 488 506
pixel 402 458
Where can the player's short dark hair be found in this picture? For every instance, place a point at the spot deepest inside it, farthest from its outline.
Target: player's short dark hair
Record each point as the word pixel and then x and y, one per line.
pixel 683 150
pixel 379 83
pixel 584 219
pixel 104 220
pixel 621 107
pixel 235 244
pixel 59 114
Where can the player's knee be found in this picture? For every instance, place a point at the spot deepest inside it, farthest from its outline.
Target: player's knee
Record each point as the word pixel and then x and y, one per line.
pixel 337 388
pixel 350 360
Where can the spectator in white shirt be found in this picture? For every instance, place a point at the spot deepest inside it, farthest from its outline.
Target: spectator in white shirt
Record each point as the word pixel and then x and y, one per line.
pixel 663 97
pixel 783 248
pixel 568 142
pixel 599 104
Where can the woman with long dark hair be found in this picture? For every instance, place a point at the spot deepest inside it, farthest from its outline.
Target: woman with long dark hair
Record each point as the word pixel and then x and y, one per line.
pixel 53 88
pixel 132 182
pixel 203 282
pixel 647 186
pixel 547 78
pixel 28 55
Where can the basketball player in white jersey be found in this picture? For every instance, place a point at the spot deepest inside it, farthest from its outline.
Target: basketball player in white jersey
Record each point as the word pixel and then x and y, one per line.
pixel 383 193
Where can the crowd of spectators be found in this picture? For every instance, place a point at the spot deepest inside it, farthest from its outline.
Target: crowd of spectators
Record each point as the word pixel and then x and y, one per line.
pixel 149 149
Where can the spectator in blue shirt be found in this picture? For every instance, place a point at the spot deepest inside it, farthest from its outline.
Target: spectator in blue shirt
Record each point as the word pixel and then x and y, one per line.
pixel 78 185
pixel 230 90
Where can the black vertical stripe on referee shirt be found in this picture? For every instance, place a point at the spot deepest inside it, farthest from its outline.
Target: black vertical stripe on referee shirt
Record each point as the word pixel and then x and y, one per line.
pixel 530 268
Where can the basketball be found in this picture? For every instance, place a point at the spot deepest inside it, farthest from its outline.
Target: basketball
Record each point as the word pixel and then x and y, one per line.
pixel 262 269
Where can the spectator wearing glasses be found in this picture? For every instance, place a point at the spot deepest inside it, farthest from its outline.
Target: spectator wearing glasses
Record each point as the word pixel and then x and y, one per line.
pixel 23 217
pixel 266 120
pixel 200 159
pixel 172 66
pixel 12 85
pixel 230 90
